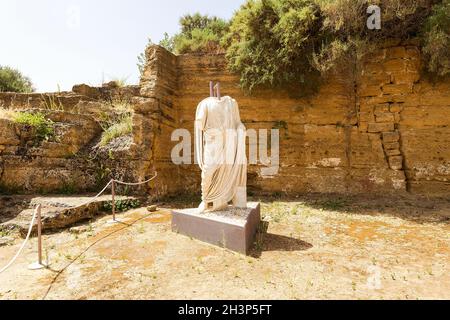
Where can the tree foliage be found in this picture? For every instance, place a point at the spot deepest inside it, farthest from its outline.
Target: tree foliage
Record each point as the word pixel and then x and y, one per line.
pixel 167 42
pixel 199 34
pixel 12 80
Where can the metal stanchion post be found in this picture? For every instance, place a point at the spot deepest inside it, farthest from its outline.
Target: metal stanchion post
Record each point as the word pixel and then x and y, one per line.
pixel 113 205
pixel 113 196
pixel 39 264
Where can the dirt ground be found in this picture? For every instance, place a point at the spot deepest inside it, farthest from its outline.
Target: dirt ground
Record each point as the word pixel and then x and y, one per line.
pixel 316 247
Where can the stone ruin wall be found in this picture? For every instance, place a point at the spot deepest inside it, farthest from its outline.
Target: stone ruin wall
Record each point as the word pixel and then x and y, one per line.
pixel 383 130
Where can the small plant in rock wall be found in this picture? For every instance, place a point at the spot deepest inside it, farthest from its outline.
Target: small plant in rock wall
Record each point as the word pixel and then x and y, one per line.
pixel 122 205
pixel 43 127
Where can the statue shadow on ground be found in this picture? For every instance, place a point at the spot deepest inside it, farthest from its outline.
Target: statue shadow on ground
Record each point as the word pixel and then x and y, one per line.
pixel 273 242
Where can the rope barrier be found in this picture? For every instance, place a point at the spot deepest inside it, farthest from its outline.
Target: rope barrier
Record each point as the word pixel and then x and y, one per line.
pixel 137 183
pixel 23 244
pixel 112 181
pixel 93 199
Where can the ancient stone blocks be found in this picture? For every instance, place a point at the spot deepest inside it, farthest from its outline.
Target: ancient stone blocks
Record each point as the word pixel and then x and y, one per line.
pixel 396 162
pixel 397 89
pixel 380 127
pixel 385 117
pixel 391 137
pixel 391 145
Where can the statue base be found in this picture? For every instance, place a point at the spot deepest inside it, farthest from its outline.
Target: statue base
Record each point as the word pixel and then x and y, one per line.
pixel 233 228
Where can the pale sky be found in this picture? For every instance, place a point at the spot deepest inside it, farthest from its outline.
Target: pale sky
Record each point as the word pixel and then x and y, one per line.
pixel 67 42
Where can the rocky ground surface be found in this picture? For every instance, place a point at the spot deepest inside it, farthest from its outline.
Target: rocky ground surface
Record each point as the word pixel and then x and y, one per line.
pixel 316 247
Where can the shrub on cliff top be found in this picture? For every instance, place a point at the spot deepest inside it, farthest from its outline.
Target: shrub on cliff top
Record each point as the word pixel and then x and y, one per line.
pixel 282 42
pixel 294 43
pixel 12 80
pixel 198 34
pixel 268 42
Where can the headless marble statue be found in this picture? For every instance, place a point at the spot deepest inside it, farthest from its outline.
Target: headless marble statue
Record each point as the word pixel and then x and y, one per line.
pixel 220 152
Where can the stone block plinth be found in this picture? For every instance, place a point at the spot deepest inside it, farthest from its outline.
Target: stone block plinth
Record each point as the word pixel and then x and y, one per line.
pixel 233 228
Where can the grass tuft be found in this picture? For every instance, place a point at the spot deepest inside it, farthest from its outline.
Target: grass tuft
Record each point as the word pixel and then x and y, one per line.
pixel 123 127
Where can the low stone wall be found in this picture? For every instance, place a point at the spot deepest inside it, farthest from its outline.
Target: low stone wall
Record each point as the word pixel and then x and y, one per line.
pixel 69 163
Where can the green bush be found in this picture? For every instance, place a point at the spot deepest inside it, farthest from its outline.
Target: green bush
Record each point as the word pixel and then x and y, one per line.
pixel 142 59
pixel 167 42
pixel 436 39
pixel 198 41
pixel 44 127
pixel 297 42
pixel 11 80
pixel 268 41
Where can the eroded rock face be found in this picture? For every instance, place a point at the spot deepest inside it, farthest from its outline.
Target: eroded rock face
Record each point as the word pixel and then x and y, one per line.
pixel 71 161
pixel 85 90
pixel 8 136
pixel 31 165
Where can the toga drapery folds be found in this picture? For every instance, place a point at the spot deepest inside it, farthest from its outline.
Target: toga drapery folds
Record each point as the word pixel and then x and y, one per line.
pixel 220 151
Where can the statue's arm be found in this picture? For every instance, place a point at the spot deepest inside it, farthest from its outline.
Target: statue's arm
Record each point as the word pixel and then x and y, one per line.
pixel 237 116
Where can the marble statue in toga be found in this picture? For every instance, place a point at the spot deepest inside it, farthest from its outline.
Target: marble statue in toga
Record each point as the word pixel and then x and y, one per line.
pixel 220 152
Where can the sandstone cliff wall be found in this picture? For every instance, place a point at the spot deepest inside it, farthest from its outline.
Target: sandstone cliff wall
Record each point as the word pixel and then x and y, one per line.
pixel 379 129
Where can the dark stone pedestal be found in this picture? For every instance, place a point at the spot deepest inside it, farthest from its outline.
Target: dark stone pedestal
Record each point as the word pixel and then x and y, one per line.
pixel 234 228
